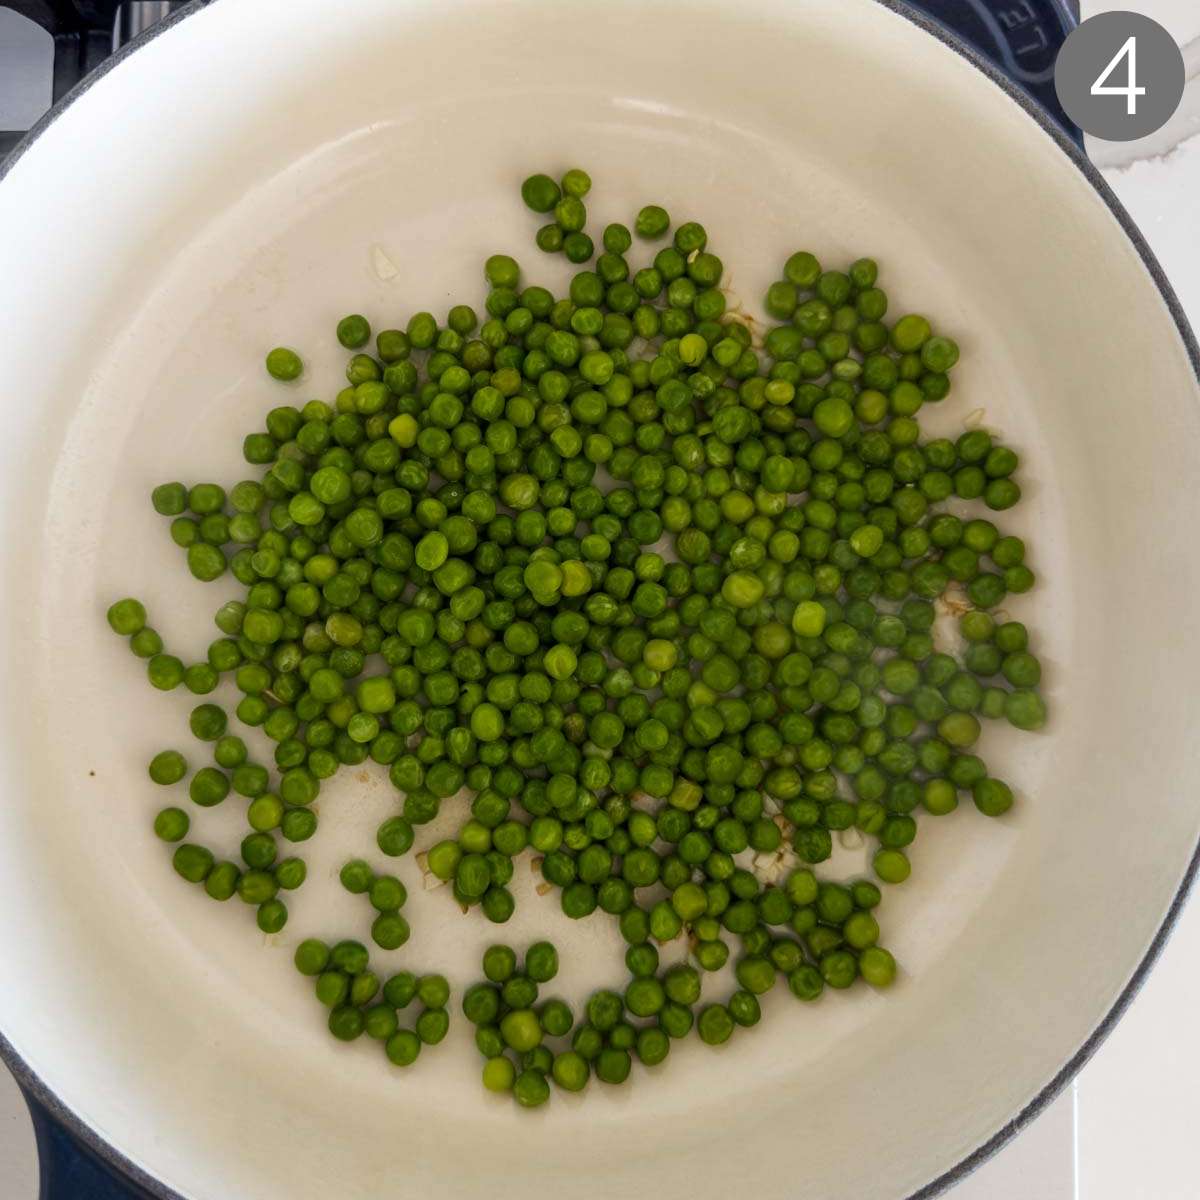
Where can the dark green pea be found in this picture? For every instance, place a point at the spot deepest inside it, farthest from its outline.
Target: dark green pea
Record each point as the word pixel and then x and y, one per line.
pixel 193 862
pixel 395 837
pixel 353 331
pixel 402 1048
pixel 222 881
pixel 311 957
pixel 272 916
pixel 652 222
pixel 530 1089
pixel 715 1025
pixel 540 193
pixel 541 962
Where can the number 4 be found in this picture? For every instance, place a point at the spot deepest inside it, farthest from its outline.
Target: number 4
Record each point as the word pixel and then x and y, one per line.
pixel 1130 91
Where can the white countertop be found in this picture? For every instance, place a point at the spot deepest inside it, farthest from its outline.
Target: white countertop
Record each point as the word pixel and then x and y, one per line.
pixel 1135 1100
pixel 1124 1132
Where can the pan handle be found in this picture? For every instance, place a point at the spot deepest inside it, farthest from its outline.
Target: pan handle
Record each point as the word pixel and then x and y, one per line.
pixel 82 31
pixel 1020 38
pixel 83 38
pixel 68 1169
pixel 85 33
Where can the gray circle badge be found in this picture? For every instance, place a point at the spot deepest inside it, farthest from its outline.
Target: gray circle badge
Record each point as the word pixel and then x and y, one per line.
pixel 1119 76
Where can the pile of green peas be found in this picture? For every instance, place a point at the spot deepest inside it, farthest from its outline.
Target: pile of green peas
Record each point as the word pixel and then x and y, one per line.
pixel 359 1002
pixel 659 598
pixel 516 1035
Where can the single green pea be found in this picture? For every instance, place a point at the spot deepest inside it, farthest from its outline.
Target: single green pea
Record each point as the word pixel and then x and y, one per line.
pixel 992 797
pixel 877 967
pixel 390 930
pixel 356 876
pixel 715 1025
pixel 171 824
pixel 433 991
pixel 892 866
pixel 127 617
pixel 311 957
pixel 272 916
pixel 576 182
pixel 432 1025
pixel 395 837
pixel 652 222
pixel 499 1074
pixel 571 1071
pixel 403 1047
pixel 169 499
pixel 193 862
pixel 332 987
pixel 386 893
pixel 613 1065
pixel 206 562
pixel 541 962
pixel 540 193
pixel 229 751
pixel 284 364
pixel 1025 709
pixel 168 767
pixel 352 331
pixel 380 1022
pixel 531 1089
pixel 147 643
pixel 208 787
pixel 521 1030
pixel 207 722
pixel 499 963
pixel 400 989
pixel 222 881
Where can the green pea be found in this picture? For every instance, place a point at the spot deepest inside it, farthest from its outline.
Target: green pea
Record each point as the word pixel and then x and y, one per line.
pixel 403 1047
pixel 147 643
pixel 652 222
pixel 284 364
pixel 499 963
pixel 877 967
pixel 208 787
pixel 222 881
pixel 992 797
pixel 169 499
pixel 127 617
pixel 207 722
pixel 272 916
pixel 531 1089
pixel 171 824
pixel 395 837
pixel 311 957
pixel 168 767
pixel 353 331
pixel 541 962
pixel 432 1025
pixel 521 1030
pixel 193 862
pixel 356 876
pixel 715 1025
pixel 499 1074
pixel 390 930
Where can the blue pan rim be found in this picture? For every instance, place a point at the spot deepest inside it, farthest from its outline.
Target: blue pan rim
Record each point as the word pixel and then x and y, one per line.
pixel 34 1086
